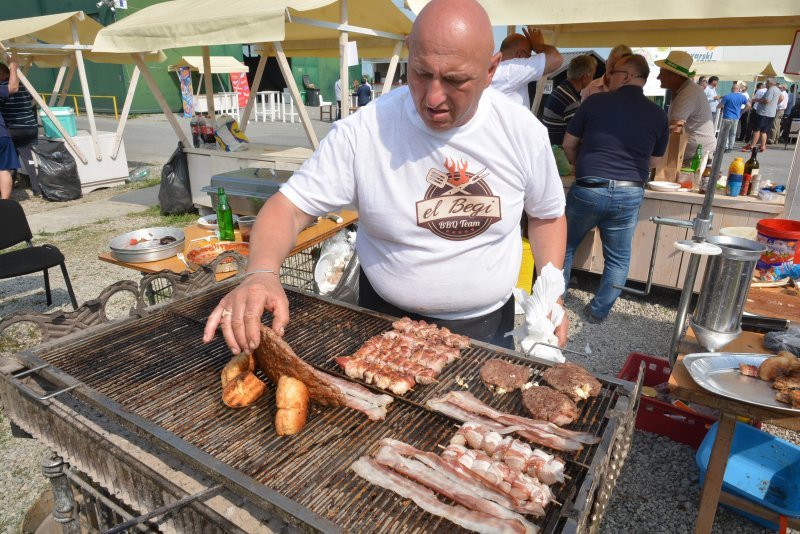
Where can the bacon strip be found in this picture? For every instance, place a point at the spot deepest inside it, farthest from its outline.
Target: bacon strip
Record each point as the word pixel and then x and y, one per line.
pixel 375 473
pixel 360 398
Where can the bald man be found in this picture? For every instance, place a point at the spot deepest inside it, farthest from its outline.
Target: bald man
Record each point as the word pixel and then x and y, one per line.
pixel 440 171
pixel 518 67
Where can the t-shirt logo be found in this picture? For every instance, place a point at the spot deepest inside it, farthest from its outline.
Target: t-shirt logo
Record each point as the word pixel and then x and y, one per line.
pixel 458 204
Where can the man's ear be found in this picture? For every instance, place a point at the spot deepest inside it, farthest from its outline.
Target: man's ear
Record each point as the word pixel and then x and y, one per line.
pixel 493 64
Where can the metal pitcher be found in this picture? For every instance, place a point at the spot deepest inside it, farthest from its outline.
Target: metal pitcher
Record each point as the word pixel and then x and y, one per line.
pixel 718 317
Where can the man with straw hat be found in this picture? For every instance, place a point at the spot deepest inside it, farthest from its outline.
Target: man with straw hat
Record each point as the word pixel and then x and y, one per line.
pixel 689 109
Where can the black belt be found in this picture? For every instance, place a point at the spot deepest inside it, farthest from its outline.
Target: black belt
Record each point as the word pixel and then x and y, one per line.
pixel 604 182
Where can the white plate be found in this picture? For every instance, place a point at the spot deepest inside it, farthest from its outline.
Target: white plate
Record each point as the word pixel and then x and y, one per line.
pixel 209 222
pixel 718 372
pixel 663 186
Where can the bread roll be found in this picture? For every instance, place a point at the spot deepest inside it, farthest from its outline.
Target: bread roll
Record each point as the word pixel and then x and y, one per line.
pixel 780 365
pixel 239 364
pixel 291 398
pixel 243 390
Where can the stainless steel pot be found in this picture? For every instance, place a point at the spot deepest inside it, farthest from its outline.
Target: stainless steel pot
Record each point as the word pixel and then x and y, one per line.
pixel 150 249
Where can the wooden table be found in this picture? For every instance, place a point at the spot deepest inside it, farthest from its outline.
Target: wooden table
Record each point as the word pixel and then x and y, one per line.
pixel 311 236
pixel 684 387
pixel 778 302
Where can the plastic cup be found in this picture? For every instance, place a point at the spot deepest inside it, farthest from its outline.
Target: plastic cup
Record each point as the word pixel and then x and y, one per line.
pixel 245 226
pixel 734 185
pixel 686 178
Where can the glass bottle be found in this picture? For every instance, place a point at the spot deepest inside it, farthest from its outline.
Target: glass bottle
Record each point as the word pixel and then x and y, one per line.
pixel 751 168
pixel 697 158
pixel 705 178
pixel 224 216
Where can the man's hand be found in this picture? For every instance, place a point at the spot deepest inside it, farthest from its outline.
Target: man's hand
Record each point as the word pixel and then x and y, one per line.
pixel 562 330
pixel 534 37
pixel 676 126
pixel 239 312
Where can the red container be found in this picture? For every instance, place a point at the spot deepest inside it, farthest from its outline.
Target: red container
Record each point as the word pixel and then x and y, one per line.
pixel 781 237
pixel 658 416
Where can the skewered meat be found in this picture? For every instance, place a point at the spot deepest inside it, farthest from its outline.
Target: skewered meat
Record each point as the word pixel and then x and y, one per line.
pixel 376 374
pixel 438 482
pixel 276 358
pixel 395 362
pixel 514 453
pixel 548 404
pixel 572 380
pixel 779 365
pixel 384 477
pixel 501 376
pixel 423 330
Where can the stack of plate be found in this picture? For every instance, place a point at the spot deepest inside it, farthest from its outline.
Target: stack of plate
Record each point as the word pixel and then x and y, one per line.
pixel 147 244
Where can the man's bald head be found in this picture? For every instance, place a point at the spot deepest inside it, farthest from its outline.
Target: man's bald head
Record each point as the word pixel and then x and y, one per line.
pixel 515 45
pixel 450 61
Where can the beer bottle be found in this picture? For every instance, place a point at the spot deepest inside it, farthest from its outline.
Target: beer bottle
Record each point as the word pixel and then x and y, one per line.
pixel 697 158
pixel 751 168
pixel 704 179
pixel 224 216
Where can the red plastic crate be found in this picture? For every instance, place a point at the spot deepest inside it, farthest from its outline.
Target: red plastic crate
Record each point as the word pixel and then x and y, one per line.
pixel 658 416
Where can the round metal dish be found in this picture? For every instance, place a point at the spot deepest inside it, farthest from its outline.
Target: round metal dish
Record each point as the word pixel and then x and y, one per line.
pixel 149 250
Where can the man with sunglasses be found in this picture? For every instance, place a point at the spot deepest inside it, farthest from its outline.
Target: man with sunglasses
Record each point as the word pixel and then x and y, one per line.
pixel 614 140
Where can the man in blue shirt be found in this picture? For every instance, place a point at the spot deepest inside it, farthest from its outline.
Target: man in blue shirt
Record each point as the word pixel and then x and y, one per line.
pixel 614 140
pixel 364 93
pixel 8 154
pixel 732 106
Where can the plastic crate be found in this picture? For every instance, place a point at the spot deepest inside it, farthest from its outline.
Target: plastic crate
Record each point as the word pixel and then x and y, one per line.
pixel 65 115
pixel 761 468
pixel 658 416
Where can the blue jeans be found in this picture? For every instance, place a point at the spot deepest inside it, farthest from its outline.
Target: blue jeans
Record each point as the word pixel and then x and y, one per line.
pixel 731 132
pixel 615 211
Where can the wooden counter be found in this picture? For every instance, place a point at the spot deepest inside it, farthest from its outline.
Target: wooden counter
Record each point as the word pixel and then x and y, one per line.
pixel 670 267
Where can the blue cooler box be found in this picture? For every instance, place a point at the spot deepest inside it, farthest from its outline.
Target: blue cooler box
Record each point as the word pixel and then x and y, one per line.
pixel 65 115
pixel 761 468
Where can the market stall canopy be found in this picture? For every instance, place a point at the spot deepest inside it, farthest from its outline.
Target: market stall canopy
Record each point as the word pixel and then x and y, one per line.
pixel 734 70
pixel 34 37
pixel 180 23
pixel 607 23
pixel 219 64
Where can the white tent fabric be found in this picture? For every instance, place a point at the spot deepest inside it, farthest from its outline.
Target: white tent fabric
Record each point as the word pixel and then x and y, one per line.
pixel 676 23
pixel 734 70
pixel 219 64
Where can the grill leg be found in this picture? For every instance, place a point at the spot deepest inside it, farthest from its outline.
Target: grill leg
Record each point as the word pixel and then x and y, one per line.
pixel 64 509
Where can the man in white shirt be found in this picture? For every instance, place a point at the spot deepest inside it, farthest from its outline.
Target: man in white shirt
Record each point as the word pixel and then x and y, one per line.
pixel 765 116
pixel 711 95
pixel 518 67
pixel 600 85
pixel 440 172
pixel 337 90
pixel 783 103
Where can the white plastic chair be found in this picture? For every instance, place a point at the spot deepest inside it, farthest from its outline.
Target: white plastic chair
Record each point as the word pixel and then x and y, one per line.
pixel 288 103
pixel 794 131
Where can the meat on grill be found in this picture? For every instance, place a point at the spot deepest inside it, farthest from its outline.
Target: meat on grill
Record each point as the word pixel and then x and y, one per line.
pixel 517 455
pixel 423 330
pixel 547 404
pixel 501 376
pixel 572 380
pixel 276 358
pixel 377 374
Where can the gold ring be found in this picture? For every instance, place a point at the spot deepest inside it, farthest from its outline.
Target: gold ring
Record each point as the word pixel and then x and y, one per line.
pixel 226 313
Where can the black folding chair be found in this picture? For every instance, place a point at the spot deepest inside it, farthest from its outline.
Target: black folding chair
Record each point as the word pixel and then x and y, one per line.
pixel 15 230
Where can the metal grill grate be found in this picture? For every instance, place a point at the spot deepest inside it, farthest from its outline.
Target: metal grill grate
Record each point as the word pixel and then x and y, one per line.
pixel 158 368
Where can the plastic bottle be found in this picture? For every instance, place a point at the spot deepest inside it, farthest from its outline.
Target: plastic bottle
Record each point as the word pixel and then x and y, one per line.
pixel 194 125
pixel 138 174
pixel 224 216
pixel 735 177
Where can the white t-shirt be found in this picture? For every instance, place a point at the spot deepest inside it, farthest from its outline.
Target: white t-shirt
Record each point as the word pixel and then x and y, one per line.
pixel 759 94
pixel 783 104
pixel 513 76
pixel 711 95
pixel 337 89
pixel 691 105
pixel 425 246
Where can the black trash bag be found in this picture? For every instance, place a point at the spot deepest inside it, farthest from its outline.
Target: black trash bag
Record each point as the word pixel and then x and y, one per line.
pixel 175 194
pixel 58 172
pixel 347 288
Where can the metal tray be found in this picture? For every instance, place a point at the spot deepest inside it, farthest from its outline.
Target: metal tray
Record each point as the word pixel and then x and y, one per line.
pixel 718 372
pixel 143 252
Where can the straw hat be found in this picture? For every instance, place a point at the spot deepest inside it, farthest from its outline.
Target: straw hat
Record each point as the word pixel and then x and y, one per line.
pixel 678 62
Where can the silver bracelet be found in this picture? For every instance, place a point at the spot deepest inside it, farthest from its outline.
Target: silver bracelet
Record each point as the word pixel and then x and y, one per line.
pixel 261 271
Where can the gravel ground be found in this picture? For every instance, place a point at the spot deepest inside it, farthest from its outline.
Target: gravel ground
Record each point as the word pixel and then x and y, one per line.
pixel 657 491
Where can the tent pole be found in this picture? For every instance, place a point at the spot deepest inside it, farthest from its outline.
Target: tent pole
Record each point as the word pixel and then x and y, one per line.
pixel 62 96
pixel 87 97
pixel 209 87
pixel 126 108
pixel 387 85
pixel 510 30
pixel 537 99
pixel 262 63
pixel 151 83
pixel 343 62
pixel 59 81
pixel 286 70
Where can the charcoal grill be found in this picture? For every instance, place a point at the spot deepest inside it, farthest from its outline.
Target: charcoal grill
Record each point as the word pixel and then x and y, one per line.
pixel 143 418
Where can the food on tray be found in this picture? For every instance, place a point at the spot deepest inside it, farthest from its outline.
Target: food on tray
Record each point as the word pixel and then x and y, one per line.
pixel 790 396
pixel 239 364
pixel 465 407
pixel 547 404
pixel 514 453
pixel 166 240
pixel 291 397
pixel 243 390
pixel 783 370
pixel 782 364
pixel 572 380
pixel 413 352
pixel 207 254
pixel 501 376
pixel 276 358
pixel 151 241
